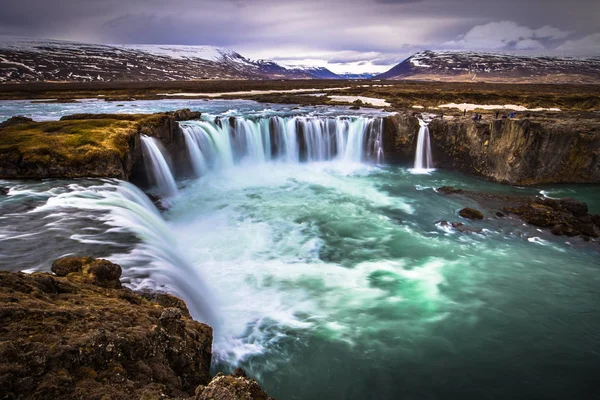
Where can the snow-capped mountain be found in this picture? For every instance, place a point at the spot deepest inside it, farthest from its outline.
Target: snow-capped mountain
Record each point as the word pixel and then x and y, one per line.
pixel 27 60
pixel 474 66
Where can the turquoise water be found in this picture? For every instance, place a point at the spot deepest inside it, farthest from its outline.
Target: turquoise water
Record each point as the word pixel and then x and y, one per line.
pixel 334 280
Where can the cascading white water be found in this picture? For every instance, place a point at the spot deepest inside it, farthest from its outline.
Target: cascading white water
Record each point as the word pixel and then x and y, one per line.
pixel 423 159
pixel 158 257
pixel 159 169
pixel 222 143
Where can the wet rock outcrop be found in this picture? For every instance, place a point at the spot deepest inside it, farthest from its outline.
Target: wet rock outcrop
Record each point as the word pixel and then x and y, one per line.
pixel 567 216
pixel 80 335
pixel 470 213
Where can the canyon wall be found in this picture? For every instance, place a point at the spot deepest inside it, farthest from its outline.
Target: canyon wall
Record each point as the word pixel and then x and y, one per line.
pixel 514 151
pixel 521 152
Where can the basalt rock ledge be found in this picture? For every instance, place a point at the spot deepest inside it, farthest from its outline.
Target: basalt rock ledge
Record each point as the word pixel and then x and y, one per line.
pixel 78 334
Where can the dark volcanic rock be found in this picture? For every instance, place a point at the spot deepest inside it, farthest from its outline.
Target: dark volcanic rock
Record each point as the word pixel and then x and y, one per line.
pixel 105 273
pixel 185 114
pixel 567 217
pixel 460 227
pixel 470 213
pixel 235 386
pixel 15 120
pixel 517 151
pixel 67 265
pixel 64 337
pixel 448 190
pixel 564 217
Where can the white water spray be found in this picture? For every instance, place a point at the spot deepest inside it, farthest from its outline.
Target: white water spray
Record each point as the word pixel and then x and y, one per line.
pixel 158 258
pixel 159 169
pixel 423 159
pixel 220 144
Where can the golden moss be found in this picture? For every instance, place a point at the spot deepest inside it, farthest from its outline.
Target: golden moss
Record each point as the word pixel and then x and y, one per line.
pixel 72 141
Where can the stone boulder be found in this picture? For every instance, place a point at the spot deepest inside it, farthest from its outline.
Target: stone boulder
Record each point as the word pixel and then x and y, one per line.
pixel 235 386
pixel 185 114
pixel 470 213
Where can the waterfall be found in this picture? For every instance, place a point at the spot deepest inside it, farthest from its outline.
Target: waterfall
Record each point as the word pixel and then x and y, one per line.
pixel 158 258
pixel 222 143
pixel 423 159
pixel 158 167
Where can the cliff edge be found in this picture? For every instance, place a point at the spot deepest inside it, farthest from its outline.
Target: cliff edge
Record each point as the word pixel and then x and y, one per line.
pixel 79 335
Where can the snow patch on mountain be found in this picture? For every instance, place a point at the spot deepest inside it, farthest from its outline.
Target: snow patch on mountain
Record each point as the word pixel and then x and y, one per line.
pixel 180 52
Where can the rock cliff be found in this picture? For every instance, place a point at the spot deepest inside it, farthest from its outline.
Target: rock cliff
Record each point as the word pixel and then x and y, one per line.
pixel 514 151
pixel 79 335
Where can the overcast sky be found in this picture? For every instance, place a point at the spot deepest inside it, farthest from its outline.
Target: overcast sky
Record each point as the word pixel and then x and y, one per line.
pixel 352 35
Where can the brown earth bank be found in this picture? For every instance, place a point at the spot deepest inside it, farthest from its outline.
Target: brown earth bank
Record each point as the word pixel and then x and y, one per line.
pixel 78 334
pixel 568 217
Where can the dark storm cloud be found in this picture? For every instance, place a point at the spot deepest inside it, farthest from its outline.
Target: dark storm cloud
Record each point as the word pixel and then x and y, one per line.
pixel 334 31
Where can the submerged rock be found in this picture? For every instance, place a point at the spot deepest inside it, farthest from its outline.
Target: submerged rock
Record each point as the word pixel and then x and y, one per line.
pixel 564 217
pixel 470 213
pixel 448 190
pixel 3 191
pixel 460 227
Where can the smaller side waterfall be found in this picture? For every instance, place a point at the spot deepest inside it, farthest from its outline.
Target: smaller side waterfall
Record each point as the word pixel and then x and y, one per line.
pixel 158 167
pixel 423 159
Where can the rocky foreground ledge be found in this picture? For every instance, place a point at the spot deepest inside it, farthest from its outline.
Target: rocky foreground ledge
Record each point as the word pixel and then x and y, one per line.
pixel 78 334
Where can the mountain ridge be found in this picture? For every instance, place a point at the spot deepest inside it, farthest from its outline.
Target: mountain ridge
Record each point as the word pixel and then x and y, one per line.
pixel 494 67
pixel 31 60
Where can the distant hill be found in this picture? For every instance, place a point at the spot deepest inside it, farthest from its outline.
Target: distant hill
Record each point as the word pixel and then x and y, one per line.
pixel 26 60
pixel 488 67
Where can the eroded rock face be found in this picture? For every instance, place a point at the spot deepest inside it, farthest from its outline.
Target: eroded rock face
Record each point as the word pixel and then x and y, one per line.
pixel 79 335
pixel 519 151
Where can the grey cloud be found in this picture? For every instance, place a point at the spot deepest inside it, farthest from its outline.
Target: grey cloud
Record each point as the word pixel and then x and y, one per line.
pixel 342 31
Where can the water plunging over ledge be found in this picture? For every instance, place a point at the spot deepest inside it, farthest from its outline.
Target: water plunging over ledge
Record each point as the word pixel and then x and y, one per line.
pixel 313 272
pixel 423 158
pixel 222 143
pixel 156 164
